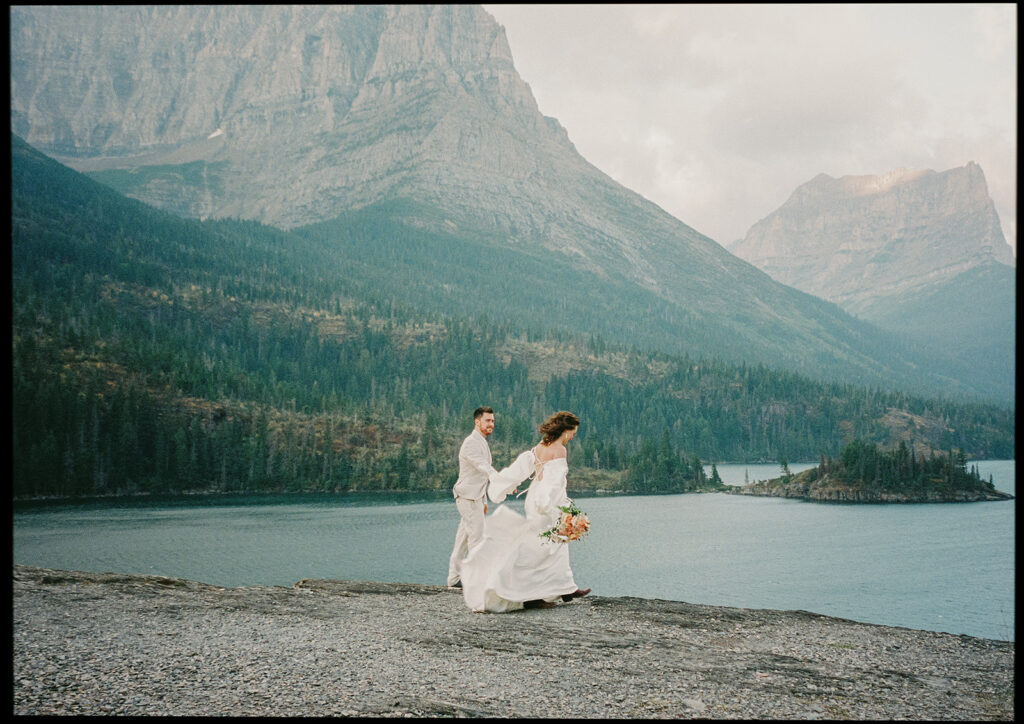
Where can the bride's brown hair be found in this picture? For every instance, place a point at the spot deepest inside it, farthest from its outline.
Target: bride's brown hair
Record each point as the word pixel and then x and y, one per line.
pixel 557 424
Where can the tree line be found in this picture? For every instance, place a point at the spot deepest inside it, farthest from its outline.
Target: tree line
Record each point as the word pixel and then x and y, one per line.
pixel 902 469
pixel 156 354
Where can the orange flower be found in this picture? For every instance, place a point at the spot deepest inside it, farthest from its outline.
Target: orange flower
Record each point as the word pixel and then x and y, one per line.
pixel 572 524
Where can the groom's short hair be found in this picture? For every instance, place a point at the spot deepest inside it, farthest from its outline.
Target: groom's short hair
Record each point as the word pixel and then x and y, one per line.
pixel 480 411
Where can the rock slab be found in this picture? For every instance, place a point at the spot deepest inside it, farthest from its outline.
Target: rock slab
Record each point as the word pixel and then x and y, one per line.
pixel 87 643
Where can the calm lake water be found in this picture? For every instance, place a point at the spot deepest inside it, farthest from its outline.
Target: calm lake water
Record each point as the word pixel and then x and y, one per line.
pixel 936 567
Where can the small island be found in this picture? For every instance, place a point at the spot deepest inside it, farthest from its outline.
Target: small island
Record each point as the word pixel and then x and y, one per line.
pixel 863 473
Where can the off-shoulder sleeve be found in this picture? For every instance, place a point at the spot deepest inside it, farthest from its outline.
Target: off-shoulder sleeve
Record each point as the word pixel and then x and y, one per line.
pixel 501 482
pixel 551 494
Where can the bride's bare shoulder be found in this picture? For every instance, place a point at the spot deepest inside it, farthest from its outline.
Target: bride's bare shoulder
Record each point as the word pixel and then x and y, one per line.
pixel 557 450
pixel 549 452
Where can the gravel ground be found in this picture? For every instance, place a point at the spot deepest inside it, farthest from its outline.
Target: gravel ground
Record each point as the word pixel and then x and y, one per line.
pixel 116 644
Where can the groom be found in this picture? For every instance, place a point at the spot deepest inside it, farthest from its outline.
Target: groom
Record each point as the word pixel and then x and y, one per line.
pixel 471 489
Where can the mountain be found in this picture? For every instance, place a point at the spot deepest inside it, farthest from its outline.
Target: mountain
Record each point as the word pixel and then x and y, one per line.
pixel 292 114
pixel 919 253
pixel 152 353
pixel 405 131
pixel 858 239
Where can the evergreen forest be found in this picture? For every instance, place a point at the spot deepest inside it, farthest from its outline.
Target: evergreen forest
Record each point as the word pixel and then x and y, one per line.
pixel 155 354
pixel 900 470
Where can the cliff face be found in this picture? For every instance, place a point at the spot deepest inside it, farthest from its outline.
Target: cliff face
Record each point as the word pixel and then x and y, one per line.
pixel 297 112
pixel 857 238
pixel 294 114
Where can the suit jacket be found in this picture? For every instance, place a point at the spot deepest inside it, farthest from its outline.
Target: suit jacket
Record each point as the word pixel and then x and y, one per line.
pixel 474 467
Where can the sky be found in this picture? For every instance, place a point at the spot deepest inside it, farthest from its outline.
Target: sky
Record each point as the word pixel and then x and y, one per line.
pixel 717 113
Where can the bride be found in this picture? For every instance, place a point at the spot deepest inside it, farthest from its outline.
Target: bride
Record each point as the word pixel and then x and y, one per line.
pixel 513 567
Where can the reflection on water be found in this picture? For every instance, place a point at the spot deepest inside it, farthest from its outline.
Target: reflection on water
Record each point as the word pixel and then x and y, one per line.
pixel 940 567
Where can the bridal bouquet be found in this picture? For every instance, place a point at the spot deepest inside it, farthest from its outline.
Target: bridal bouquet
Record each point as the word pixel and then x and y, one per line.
pixel 573 524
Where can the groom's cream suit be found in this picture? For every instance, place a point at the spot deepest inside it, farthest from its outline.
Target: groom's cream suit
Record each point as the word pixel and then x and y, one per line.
pixel 470 497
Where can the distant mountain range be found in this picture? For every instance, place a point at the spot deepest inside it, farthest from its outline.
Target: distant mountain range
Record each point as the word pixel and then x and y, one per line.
pixel 405 131
pixel 919 253
pixel 156 354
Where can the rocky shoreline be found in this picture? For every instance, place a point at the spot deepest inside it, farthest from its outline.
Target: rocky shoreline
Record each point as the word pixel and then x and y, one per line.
pixel 87 643
pixel 825 491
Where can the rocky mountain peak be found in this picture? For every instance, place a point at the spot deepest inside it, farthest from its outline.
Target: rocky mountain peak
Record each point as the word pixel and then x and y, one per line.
pixel 459 47
pixel 205 67
pixel 287 114
pixel 293 115
pixel 871 185
pixel 851 239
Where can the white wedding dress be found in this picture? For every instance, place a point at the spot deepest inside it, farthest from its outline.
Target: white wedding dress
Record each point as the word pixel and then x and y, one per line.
pixel 513 563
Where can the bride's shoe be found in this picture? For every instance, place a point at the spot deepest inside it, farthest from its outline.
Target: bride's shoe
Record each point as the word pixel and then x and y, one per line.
pixel 578 593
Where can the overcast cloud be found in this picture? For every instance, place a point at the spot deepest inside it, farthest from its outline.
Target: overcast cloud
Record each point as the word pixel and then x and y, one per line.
pixel 718 112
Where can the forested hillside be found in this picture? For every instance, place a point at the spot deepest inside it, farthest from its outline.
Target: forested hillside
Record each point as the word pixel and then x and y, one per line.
pixel 156 354
pixel 401 251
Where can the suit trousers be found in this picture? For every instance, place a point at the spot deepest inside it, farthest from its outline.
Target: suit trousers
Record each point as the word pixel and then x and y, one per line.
pixel 468 535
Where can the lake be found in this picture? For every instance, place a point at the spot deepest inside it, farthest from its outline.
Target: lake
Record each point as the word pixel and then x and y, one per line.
pixel 939 567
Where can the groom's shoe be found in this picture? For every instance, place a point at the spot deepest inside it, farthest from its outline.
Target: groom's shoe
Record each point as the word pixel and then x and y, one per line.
pixel 539 603
pixel 458 584
pixel 578 593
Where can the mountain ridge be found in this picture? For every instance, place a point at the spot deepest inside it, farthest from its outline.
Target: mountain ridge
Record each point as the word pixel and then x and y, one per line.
pixel 919 253
pixel 850 239
pixel 158 354
pixel 302 116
